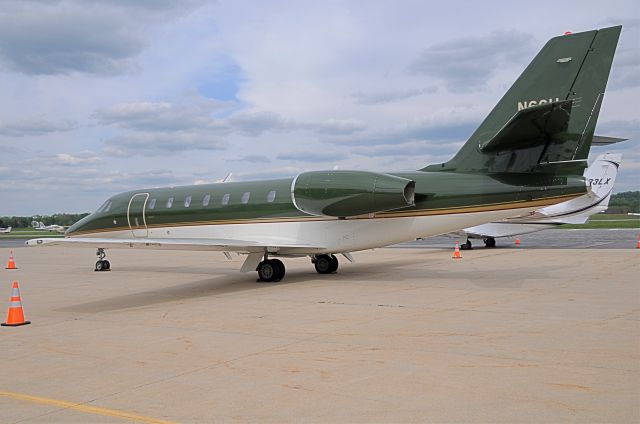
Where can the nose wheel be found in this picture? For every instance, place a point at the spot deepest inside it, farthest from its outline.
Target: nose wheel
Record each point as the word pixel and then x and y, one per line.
pixel 102 264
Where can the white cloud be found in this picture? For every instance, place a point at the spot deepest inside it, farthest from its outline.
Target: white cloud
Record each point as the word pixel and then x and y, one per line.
pixel 82 158
pixel 35 127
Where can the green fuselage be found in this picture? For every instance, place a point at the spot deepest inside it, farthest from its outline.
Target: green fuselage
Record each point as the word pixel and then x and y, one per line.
pixel 436 193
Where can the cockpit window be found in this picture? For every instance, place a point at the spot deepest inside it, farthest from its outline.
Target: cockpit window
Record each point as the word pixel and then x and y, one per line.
pixel 104 207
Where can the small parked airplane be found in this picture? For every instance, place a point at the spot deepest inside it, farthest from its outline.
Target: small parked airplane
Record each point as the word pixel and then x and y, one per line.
pixel 601 176
pixel 53 227
pixel 529 152
pixel 5 230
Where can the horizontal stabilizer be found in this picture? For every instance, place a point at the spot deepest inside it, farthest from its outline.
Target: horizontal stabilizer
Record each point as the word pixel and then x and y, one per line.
pixel 601 140
pixel 530 127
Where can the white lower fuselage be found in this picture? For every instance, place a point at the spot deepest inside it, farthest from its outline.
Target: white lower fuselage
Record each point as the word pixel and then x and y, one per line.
pixel 334 235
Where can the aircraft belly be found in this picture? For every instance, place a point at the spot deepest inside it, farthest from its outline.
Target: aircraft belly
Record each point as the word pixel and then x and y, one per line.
pixel 334 235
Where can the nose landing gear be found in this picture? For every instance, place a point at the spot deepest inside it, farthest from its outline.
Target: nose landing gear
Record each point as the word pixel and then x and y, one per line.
pixel 102 264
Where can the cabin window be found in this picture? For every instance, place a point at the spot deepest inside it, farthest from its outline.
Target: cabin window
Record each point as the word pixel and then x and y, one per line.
pixel 225 199
pixel 245 197
pixel 206 199
pixel 271 196
pixel 152 203
pixel 187 201
pixel 169 202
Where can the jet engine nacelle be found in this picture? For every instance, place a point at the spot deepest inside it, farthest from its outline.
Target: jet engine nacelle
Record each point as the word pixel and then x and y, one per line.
pixel 350 193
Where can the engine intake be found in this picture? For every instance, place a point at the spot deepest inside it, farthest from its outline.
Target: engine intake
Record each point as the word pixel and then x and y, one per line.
pixel 350 193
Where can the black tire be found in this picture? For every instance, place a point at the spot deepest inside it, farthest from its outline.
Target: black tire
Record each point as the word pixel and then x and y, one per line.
pixel 99 266
pixel 466 246
pixel 334 264
pixel 268 271
pixel 281 268
pixel 107 265
pixel 323 264
pixel 490 242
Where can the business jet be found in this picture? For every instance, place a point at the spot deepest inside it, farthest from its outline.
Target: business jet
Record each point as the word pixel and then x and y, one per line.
pixel 529 152
pixel 5 230
pixel 53 227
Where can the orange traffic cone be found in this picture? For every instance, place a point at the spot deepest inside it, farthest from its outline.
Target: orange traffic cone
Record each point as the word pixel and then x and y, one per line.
pixel 456 252
pixel 12 263
pixel 638 243
pixel 15 317
pixel 517 241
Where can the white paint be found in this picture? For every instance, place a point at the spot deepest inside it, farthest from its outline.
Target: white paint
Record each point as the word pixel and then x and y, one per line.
pixel 334 236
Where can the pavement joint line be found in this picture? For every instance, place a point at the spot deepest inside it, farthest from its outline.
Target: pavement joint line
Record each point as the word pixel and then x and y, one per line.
pixel 207 367
pixel 542 363
pixel 83 407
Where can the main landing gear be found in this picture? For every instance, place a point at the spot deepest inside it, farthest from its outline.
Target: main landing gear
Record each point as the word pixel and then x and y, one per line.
pixel 489 242
pixel 325 264
pixel 270 270
pixel 102 264
pixel 466 245
pixel 273 270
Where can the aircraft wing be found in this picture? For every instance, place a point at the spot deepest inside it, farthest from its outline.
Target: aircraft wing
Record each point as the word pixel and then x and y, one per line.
pixel 223 245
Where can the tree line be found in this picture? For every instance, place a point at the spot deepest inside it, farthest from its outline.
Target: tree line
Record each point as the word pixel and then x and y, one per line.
pixel 625 202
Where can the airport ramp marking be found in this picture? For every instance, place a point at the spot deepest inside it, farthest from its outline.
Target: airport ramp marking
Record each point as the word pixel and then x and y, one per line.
pixel 84 408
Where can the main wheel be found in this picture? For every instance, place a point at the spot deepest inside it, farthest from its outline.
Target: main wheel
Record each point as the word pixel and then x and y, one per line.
pixel 323 264
pixel 106 265
pixel 466 246
pixel 281 269
pixel 100 266
pixel 334 264
pixel 490 242
pixel 270 270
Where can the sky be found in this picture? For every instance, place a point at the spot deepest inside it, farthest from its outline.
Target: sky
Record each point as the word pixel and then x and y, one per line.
pixel 107 96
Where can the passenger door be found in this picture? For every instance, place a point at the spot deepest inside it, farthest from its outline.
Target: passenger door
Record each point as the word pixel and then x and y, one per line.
pixel 136 214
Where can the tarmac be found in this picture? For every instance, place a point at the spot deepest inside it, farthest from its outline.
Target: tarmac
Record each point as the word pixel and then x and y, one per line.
pixel 402 335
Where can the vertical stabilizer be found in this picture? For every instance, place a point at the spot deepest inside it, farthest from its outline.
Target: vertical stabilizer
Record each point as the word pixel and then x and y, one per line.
pixel 549 114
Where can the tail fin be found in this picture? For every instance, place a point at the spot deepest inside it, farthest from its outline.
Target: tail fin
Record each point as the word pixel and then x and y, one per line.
pixel 601 175
pixel 546 121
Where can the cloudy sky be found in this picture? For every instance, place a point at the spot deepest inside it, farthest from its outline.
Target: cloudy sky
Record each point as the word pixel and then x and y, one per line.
pixel 111 95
